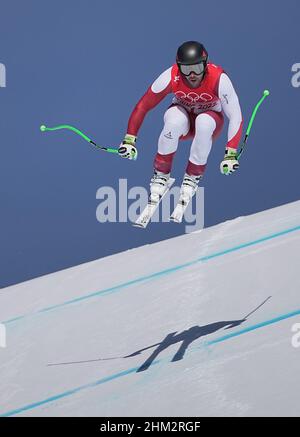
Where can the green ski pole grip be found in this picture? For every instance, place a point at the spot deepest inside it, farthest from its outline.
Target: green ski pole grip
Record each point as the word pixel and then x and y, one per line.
pixel 65 126
pixel 43 128
pixel 266 94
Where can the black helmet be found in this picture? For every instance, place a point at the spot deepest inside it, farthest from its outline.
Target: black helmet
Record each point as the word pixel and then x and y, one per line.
pixel 191 53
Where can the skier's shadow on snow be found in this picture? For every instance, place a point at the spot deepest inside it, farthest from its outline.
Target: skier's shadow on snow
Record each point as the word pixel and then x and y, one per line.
pixel 185 338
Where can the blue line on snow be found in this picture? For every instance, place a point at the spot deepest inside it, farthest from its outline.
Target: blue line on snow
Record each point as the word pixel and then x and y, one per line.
pixel 68 393
pixel 134 369
pixel 156 274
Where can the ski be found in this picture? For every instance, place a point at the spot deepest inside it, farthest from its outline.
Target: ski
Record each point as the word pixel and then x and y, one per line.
pixel 182 204
pixel 151 207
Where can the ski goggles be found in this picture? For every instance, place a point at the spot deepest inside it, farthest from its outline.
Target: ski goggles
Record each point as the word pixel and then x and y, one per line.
pixel 198 69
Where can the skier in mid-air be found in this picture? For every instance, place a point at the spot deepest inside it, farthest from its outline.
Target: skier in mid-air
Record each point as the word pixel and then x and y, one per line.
pixel 202 93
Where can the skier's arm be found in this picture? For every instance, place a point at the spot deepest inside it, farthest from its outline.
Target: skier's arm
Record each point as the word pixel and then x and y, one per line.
pixel 154 95
pixel 231 107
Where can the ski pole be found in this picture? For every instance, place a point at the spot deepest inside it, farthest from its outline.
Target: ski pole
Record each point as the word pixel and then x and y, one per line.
pixel 266 94
pixel 43 128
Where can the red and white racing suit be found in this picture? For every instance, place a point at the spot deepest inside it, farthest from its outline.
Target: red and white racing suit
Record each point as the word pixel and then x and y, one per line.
pixel 194 113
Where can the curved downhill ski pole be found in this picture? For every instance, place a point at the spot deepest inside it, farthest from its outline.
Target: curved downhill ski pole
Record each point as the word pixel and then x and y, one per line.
pixel 43 128
pixel 266 94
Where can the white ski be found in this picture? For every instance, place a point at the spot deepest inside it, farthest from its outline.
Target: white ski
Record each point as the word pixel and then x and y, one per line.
pixel 182 204
pixel 151 207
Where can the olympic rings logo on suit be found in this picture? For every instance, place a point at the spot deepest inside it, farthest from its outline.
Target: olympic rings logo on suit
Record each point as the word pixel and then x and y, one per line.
pixel 194 97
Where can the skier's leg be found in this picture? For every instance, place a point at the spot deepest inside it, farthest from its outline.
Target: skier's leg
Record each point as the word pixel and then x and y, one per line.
pixel 207 126
pixel 176 124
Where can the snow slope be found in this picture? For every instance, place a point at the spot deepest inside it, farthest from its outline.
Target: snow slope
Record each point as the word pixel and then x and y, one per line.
pixel 162 330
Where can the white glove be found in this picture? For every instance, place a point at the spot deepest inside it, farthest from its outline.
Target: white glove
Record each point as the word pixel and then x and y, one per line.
pixel 127 148
pixel 230 163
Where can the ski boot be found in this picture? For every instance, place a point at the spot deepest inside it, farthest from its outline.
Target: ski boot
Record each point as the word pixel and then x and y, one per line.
pixel 158 185
pixel 189 187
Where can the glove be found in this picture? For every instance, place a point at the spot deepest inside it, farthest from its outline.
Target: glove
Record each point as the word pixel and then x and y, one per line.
pixel 230 163
pixel 127 148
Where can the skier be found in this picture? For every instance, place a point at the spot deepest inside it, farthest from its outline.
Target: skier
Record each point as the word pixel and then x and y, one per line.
pixel 202 93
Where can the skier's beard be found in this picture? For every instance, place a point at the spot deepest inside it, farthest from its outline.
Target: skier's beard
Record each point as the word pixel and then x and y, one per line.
pixel 194 81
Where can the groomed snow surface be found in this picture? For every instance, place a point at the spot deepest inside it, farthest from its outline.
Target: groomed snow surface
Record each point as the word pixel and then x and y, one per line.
pixel 198 325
